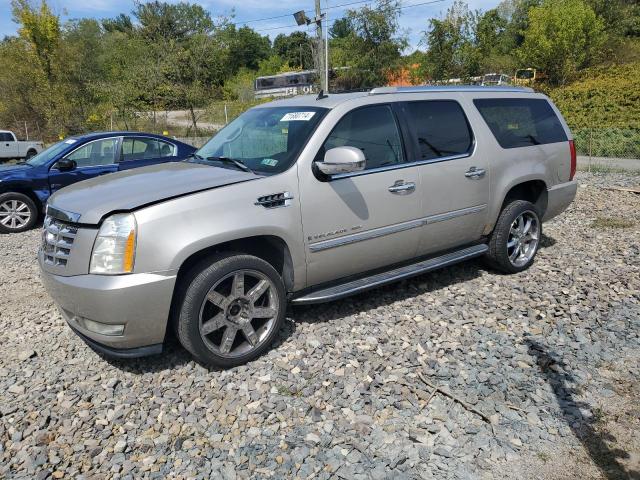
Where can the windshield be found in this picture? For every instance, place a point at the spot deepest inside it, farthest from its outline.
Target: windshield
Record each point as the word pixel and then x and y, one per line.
pixel 46 155
pixel 525 74
pixel 267 140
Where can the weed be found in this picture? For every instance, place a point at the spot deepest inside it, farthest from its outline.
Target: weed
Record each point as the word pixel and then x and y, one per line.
pixel 544 456
pixel 612 222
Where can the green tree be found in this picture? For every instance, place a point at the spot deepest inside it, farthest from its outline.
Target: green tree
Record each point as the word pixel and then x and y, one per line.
pixel 621 17
pixel 247 48
pixel 494 42
pixel 516 13
pixel 341 28
pixel 563 37
pixel 371 45
pixel 40 27
pixel 452 46
pixel 122 23
pixel 124 90
pixel 295 49
pixel 164 22
pixel 22 83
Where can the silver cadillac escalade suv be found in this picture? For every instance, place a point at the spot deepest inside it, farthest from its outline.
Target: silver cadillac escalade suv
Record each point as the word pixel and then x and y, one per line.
pixel 301 201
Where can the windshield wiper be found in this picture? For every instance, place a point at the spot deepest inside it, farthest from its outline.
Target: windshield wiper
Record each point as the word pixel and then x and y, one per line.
pixel 233 161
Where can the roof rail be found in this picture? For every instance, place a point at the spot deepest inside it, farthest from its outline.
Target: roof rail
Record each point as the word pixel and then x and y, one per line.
pixel 448 88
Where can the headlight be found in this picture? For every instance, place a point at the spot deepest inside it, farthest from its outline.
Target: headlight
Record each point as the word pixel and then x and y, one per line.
pixel 114 250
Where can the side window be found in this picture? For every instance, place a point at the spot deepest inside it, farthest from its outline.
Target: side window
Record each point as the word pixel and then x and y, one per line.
pixel 374 131
pixel 441 127
pixel 134 148
pixel 6 137
pixel 166 149
pixel 100 152
pixel 521 122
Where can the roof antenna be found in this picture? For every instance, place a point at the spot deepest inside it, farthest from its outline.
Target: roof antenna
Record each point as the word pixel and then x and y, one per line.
pixel 321 95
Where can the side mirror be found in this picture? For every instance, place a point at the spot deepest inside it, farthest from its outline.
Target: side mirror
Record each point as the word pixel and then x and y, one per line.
pixel 65 165
pixel 342 160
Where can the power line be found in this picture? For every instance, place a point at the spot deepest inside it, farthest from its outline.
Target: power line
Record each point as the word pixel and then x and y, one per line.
pixel 255 20
pixel 243 22
pixel 277 28
pixel 331 7
pixel 431 2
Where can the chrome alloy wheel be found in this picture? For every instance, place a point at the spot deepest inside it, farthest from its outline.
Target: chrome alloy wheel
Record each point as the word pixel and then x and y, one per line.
pixel 238 313
pixel 524 236
pixel 14 214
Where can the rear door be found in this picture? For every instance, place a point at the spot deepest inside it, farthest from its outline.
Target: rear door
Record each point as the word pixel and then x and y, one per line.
pixel 94 158
pixel 454 174
pixel 142 151
pixel 361 221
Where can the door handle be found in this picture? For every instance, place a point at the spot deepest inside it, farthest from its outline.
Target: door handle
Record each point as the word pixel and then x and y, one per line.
pixel 475 172
pixel 402 188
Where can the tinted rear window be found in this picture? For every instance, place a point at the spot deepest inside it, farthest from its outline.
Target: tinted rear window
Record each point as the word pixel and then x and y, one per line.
pixel 441 127
pixel 520 122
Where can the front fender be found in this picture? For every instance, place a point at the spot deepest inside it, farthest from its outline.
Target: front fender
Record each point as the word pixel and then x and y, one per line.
pixel 172 231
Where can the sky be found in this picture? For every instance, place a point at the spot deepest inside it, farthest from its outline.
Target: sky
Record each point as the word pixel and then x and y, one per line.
pixel 413 19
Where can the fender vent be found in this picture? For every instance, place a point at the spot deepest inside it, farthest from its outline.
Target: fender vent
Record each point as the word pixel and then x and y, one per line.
pixel 275 200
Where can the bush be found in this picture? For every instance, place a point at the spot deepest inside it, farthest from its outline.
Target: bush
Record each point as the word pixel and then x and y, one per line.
pixel 605 97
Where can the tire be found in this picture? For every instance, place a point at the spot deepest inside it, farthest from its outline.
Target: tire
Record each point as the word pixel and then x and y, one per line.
pixel 17 213
pixel 514 242
pixel 214 306
pixel 30 154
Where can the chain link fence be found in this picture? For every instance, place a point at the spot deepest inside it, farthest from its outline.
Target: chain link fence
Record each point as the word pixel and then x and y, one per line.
pixel 614 143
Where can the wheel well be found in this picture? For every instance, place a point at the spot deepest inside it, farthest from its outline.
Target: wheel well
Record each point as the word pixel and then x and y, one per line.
pixel 270 248
pixel 25 191
pixel 534 191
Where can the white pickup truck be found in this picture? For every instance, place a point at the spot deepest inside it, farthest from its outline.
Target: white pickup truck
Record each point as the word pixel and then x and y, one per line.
pixel 10 147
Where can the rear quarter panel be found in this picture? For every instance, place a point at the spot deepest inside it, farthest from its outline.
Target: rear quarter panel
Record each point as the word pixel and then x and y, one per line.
pixel 548 163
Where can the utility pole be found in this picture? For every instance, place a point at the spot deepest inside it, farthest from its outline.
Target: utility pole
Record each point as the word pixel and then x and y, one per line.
pixel 321 71
pixel 326 50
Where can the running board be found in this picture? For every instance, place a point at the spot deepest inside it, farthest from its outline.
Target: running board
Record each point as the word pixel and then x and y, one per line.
pixel 360 285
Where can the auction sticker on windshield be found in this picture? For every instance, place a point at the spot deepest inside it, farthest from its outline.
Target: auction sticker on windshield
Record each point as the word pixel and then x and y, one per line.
pixel 297 116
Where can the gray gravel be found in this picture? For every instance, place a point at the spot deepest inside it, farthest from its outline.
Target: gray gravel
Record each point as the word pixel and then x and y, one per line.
pixel 550 356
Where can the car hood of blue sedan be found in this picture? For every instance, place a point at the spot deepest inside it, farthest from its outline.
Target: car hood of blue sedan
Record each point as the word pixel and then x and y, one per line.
pixel 10 169
pixel 88 202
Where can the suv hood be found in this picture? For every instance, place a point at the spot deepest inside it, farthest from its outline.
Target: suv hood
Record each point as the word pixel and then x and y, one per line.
pixel 92 199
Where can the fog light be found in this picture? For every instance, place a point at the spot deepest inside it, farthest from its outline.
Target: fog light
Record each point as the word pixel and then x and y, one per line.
pixel 101 328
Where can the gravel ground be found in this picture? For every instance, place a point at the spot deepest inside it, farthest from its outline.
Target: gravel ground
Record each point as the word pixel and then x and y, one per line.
pixel 550 356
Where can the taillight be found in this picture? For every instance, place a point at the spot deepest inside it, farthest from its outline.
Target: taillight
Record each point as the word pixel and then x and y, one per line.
pixel 574 159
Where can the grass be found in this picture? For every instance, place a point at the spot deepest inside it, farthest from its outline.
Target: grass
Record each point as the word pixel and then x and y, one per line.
pixel 286 391
pixel 598 168
pixel 599 416
pixel 612 222
pixel 545 457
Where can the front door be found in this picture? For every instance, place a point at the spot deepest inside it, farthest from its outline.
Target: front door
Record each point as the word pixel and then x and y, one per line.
pixel 454 175
pixel 92 159
pixel 361 221
pixel 142 151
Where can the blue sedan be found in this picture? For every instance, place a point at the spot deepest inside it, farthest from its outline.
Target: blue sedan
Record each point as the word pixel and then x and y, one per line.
pixel 25 187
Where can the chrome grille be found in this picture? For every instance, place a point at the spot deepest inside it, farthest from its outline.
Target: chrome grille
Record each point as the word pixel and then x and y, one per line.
pixel 57 241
